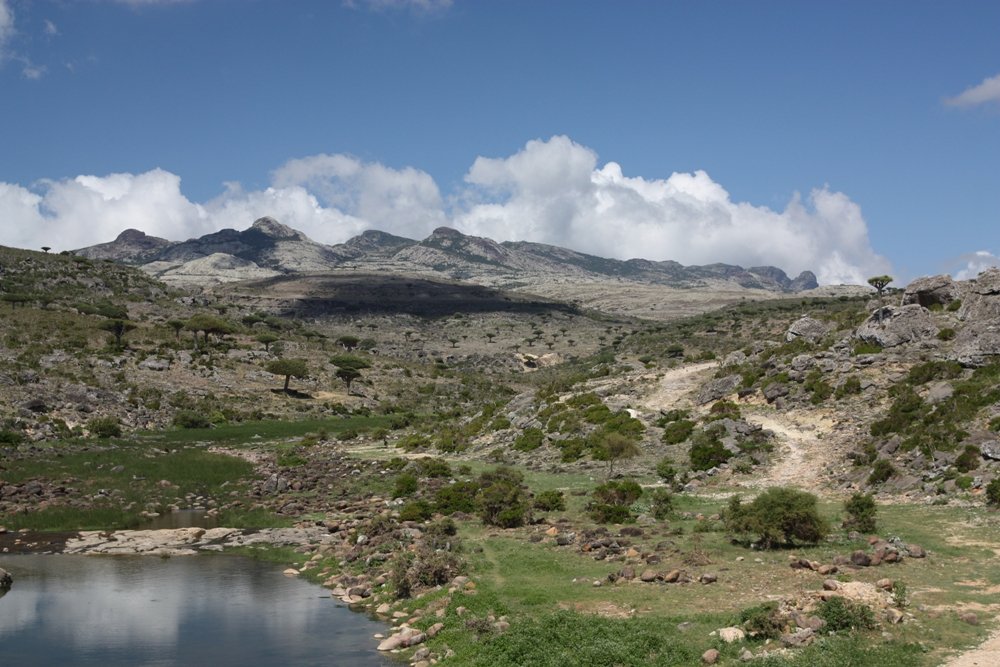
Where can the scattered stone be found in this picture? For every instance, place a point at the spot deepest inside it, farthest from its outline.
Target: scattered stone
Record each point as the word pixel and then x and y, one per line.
pixel 732 634
pixel 884 584
pixel 861 559
pixel 672 577
pixel 648 576
pixel 710 657
pixel 799 638
pixel 893 616
pixel 708 578
pixel 915 551
pixel 969 617
pixel 831 585
pixel 747 655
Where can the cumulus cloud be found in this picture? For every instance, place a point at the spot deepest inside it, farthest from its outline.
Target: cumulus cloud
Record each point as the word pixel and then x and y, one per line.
pixel 986 92
pixel 399 201
pixel 551 191
pixel 975 263
pixel 6 29
pixel 554 192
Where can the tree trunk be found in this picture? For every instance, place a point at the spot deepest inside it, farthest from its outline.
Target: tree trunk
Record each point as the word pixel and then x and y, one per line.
pixel 287 378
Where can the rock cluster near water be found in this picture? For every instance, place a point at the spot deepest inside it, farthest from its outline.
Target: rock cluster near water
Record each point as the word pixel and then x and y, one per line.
pixel 189 541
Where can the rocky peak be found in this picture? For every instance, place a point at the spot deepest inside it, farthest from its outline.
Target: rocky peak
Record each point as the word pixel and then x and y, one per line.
pixel 271 228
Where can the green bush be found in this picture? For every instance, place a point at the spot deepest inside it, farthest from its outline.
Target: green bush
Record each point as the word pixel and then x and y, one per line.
pixel 502 499
pixel 882 470
pixel 405 485
pixel 849 387
pixel 431 467
pixel 993 492
pixel 530 439
pixel 722 410
pixel 11 437
pixel 969 459
pixel 946 334
pixel 707 450
pixel 550 501
pixel 416 510
pixel 665 469
pixel 861 513
pixel 661 504
pixel 457 497
pixel 778 516
pixel 191 419
pixel 678 431
pixel 842 615
pixel 105 427
pixel 762 621
pixel 612 501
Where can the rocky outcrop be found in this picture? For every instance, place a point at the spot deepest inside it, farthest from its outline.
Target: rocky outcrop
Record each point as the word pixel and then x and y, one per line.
pixel 6 581
pixel 131 247
pixel 718 388
pixel 891 326
pixel 807 328
pixel 189 541
pixel 213 269
pixel 931 291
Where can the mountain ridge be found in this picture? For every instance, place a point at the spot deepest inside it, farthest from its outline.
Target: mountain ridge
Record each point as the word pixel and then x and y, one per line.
pixel 270 246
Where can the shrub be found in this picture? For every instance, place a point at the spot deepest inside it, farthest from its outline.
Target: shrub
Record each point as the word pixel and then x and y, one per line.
pixel 502 499
pixel 993 492
pixel 707 450
pixel 762 621
pixel 722 410
pixel 946 334
pixel 550 501
pixel 954 305
pixel 678 431
pixel 612 500
pixel 665 469
pixel 861 512
pixel 457 497
pixel 11 437
pixel 416 510
pixel 105 427
pixel 410 571
pixel 969 459
pixel 882 470
pixel 963 482
pixel 405 485
pixel 777 516
pixel 191 419
pixel 849 387
pixel 431 467
pixel 661 504
pixel 529 440
pixel 842 615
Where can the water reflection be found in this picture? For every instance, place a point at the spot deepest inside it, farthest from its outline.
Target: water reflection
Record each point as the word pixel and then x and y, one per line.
pixel 84 610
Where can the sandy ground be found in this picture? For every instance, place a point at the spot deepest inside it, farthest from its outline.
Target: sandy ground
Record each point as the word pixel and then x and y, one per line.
pixel 803 451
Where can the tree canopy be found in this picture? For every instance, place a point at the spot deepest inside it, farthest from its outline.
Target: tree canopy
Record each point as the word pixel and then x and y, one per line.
pixel 289 368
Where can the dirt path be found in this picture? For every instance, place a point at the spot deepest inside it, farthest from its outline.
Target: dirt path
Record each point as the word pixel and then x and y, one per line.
pixel 802 452
pixel 675 386
pixel 986 654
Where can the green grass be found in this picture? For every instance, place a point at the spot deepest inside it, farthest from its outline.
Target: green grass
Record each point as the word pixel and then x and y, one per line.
pixel 265 430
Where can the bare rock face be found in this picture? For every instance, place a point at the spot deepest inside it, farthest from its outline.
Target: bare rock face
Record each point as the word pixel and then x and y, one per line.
pixel 718 388
pixel 891 326
pixel 931 291
pixel 807 328
pixel 977 343
pixel 131 247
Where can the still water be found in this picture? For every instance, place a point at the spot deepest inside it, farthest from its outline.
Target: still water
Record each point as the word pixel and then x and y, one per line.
pixel 190 611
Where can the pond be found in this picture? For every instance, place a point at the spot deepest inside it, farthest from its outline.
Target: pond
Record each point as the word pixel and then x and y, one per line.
pixel 195 610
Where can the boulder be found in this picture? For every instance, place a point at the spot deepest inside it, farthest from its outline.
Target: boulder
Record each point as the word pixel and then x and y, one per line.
pixel 731 634
pixel 710 657
pixel 799 639
pixel 774 391
pixel 808 329
pixel 718 388
pixel 861 559
pixel 931 291
pixel 976 343
pixel 154 364
pixel 5 579
pixel 891 326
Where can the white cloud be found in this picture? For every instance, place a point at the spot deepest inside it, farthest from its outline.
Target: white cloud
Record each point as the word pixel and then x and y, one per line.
pixel 975 263
pixel 551 191
pixel 399 201
pixel 50 28
pixel 6 29
pixel 417 5
pixel 986 92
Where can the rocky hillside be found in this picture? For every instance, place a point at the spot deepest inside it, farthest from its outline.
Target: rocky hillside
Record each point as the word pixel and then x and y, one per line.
pixel 270 247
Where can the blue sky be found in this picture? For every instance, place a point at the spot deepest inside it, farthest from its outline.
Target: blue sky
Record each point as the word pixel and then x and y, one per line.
pixel 849 138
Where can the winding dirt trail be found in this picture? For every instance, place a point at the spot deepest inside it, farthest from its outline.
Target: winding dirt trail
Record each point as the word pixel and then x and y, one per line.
pixel 803 453
pixel 676 385
pixel 986 654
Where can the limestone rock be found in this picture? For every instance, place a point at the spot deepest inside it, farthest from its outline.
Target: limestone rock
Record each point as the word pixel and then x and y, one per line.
pixel 807 328
pixel 931 291
pixel 732 634
pixel 710 657
pixel 718 388
pixel 892 326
